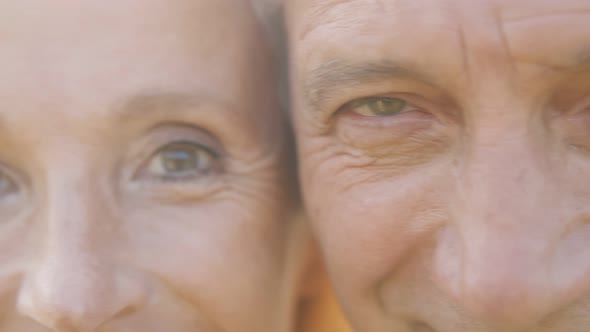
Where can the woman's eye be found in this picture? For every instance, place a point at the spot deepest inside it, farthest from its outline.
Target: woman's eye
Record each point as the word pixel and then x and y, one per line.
pixel 181 159
pixel 379 106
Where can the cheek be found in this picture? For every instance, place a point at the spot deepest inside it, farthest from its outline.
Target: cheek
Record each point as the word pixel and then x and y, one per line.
pixel 369 229
pixel 226 255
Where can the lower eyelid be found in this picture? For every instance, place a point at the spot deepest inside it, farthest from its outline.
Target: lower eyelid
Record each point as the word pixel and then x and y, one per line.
pixel 382 121
pixel 358 130
pixel 176 179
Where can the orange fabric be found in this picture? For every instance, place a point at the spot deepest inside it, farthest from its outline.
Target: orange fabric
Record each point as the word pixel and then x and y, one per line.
pixel 322 313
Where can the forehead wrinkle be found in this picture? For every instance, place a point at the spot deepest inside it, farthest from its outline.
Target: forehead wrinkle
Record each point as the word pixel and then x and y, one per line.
pixel 515 19
pixel 321 14
pixel 569 52
pixel 351 14
pixel 580 63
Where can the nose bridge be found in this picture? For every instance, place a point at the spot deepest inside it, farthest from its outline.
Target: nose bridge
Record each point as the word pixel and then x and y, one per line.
pixel 73 286
pixel 508 216
pixel 72 203
pixel 70 200
pixel 504 176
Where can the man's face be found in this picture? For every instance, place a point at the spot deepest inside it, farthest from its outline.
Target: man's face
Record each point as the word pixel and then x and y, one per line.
pixel 445 159
pixel 141 179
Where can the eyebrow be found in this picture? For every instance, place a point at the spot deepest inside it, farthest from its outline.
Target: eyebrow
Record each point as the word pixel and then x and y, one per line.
pixel 332 75
pixel 143 104
pixel 157 103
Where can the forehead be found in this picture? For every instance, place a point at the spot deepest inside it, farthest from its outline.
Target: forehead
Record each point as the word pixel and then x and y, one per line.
pixel 73 48
pixel 322 29
pixel 309 14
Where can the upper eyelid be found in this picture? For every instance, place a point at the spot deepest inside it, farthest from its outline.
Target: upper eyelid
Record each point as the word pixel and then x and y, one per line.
pixel 375 98
pixel 215 117
pixel 212 151
pixel 166 133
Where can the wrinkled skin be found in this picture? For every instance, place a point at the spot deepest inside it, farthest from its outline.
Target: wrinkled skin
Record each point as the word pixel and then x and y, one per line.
pixel 143 185
pixel 456 198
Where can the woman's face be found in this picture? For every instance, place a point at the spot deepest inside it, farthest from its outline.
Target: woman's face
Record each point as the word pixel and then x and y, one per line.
pixel 142 185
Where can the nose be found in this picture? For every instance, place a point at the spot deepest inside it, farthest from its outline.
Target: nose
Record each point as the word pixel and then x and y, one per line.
pixel 74 286
pixel 514 251
pixel 79 295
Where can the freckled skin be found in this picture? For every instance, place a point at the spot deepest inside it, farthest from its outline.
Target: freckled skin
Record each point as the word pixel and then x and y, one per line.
pixel 468 211
pixel 143 178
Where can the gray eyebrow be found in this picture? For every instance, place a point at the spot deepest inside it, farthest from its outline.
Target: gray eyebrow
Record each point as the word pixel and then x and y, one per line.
pixel 332 75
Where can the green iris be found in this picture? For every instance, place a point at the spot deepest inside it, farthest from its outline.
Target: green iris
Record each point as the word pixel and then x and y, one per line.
pixel 378 106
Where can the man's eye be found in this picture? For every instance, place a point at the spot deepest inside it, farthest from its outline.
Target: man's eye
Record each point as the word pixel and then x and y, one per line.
pixel 378 106
pixel 181 159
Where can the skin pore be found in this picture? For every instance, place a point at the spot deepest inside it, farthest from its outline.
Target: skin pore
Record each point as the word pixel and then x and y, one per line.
pixel 143 184
pixel 444 159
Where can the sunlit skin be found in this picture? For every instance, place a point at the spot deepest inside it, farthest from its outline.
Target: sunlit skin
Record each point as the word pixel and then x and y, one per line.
pixel 143 184
pixel 444 148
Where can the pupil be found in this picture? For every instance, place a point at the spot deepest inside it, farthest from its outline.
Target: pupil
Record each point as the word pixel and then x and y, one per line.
pixel 179 160
pixel 388 106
